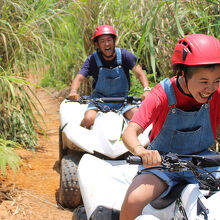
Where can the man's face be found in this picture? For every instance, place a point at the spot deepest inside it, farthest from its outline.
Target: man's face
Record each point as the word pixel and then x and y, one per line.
pixel 204 82
pixel 106 44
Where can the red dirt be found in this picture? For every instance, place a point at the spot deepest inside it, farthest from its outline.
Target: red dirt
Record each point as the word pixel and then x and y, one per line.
pixel 31 192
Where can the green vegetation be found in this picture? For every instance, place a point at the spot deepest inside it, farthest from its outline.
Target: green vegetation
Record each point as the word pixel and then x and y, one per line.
pixel 17 121
pixel 53 38
pixel 149 29
pixel 8 156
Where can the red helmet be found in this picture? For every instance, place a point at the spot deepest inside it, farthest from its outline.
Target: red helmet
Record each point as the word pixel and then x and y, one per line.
pixel 196 49
pixel 104 29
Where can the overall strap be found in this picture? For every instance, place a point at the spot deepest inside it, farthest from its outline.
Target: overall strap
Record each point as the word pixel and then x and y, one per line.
pixel 97 59
pixel 168 88
pixel 118 56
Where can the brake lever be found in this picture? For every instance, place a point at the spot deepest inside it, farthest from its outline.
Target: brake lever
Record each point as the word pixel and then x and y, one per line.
pixel 133 99
pixel 172 163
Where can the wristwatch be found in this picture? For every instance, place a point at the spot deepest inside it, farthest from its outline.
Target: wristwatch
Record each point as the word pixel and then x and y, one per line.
pixel 147 88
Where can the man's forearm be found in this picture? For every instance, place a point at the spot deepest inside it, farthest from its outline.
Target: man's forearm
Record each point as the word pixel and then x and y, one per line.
pixel 140 74
pixel 76 83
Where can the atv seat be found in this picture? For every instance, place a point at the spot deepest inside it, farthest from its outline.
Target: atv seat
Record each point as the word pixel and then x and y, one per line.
pixel 169 198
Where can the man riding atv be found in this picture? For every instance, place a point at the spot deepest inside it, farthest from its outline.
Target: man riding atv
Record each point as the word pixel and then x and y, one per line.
pixel 109 68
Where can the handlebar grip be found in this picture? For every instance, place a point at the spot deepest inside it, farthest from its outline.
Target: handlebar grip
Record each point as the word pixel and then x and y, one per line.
pixel 137 99
pixel 207 160
pixel 130 99
pixel 113 99
pixel 134 160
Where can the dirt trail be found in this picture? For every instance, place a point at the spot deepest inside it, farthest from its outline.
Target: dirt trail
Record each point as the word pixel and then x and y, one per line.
pixel 31 193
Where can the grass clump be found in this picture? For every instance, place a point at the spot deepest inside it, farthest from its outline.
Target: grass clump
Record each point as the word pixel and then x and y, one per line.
pixel 8 157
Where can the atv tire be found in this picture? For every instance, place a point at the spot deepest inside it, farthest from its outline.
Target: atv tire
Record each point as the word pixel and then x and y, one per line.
pixel 79 213
pixel 61 150
pixel 69 192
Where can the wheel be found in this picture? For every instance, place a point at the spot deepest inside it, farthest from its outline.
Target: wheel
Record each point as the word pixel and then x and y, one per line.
pixel 61 151
pixel 69 192
pixel 79 213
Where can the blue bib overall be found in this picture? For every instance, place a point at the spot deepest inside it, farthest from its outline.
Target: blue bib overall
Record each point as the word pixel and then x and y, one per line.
pixel 111 82
pixel 183 133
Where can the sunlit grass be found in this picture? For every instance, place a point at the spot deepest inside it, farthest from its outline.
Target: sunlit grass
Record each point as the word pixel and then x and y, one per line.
pixel 8 157
pixel 150 29
pixel 17 102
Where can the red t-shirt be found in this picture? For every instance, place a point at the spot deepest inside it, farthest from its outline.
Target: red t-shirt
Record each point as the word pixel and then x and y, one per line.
pixel 154 108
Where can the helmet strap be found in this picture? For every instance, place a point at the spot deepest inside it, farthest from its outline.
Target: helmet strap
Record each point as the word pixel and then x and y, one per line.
pixel 186 82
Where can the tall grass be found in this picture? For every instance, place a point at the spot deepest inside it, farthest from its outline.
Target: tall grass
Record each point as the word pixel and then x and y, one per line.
pixel 150 29
pixel 26 34
pixel 55 36
pixel 8 157
pixel 17 121
pixel 24 31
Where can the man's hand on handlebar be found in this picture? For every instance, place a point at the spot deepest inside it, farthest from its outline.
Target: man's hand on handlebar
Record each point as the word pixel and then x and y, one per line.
pixel 73 95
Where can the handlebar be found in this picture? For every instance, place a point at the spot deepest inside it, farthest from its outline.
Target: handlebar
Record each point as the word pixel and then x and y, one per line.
pixel 134 160
pixel 172 158
pixel 129 99
pixel 175 163
pixel 206 161
pixel 86 99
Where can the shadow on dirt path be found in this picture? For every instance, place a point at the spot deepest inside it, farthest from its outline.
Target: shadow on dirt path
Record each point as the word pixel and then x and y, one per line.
pixel 31 192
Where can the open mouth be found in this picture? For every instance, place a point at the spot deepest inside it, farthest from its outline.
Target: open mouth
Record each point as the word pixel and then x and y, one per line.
pixel 108 52
pixel 108 49
pixel 205 96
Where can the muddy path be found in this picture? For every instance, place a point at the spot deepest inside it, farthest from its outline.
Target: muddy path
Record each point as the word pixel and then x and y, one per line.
pixel 31 192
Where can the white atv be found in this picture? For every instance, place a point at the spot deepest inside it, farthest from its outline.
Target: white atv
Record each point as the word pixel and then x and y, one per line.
pixel 104 183
pixel 103 141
